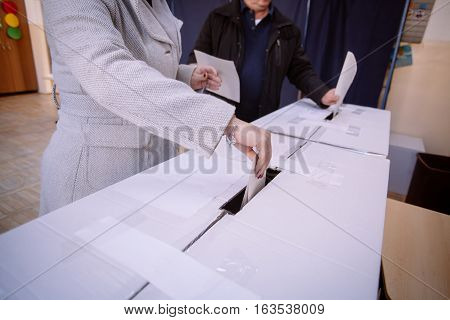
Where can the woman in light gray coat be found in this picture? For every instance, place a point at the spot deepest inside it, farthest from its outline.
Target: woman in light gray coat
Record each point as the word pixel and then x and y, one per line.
pixel 124 96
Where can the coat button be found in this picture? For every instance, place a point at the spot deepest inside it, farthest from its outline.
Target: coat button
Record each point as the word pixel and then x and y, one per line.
pixel 167 52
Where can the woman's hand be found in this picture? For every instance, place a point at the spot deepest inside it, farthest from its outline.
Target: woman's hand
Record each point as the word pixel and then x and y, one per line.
pixel 255 142
pixel 205 77
pixel 330 98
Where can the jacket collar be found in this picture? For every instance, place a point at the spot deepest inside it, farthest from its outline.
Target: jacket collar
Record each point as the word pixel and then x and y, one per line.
pixel 233 11
pixel 150 23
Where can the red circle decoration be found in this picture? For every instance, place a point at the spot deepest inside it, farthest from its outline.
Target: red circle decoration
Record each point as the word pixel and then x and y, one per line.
pixel 9 7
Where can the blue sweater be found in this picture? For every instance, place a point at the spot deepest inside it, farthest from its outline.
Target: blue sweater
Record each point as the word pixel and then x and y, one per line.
pixel 253 67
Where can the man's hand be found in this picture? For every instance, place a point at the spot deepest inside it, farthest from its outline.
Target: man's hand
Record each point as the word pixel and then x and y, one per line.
pixel 330 98
pixel 205 77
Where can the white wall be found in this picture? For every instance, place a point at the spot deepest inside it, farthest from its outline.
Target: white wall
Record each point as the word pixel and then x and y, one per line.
pixel 438 28
pixel 420 94
pixel 39 45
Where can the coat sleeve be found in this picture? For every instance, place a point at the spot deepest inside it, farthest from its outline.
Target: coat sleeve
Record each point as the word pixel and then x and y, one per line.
pixel 302 75
pixel 204 40
pixel 83 35
pixel 184 73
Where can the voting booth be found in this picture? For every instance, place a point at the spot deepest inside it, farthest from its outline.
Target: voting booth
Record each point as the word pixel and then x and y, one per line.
pixel 314 231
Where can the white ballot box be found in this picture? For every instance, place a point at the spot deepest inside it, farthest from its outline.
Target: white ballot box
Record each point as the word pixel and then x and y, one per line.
pixel 172 203
pixel 358 128
pixel 346 188
pixel 314 232
pixel 275 269
pixel 38 263
pixel 183 193
pixel 301 119
pixel 82 275
pixel 28 251
pixel 331 217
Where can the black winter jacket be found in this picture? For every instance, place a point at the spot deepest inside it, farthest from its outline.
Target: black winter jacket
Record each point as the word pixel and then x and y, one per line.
pixel 222 36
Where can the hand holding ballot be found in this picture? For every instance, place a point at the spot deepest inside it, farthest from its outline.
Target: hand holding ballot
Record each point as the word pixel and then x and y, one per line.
pixel 253 141
pixel 346 78
pixel 205 77
pixel 330 98
pixel 227 72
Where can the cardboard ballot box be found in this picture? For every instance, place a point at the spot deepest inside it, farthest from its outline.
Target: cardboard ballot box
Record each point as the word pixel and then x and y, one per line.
pixel 314 232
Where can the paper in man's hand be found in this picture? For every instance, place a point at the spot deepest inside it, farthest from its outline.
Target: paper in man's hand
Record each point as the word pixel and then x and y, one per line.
pixel 348 73
pixel 226 69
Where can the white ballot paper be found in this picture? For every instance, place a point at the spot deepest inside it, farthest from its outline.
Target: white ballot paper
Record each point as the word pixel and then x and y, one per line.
pixel 230 87
pixel 254 186
pixel 348 73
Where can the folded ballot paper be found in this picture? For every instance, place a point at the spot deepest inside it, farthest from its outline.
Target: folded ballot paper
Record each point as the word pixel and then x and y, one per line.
pixel 348 73
pixel 254 186
pixel 230 87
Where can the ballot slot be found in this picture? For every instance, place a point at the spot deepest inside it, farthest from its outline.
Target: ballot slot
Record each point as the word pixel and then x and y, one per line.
pixel 233 206
pixel 330 117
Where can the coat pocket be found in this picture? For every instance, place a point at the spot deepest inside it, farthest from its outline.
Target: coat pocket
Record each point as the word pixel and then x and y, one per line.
pixel 113 153
pixel 278 53
pixel 106 166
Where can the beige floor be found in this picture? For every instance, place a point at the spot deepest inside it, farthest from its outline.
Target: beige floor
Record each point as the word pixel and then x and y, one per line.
pixel 26 124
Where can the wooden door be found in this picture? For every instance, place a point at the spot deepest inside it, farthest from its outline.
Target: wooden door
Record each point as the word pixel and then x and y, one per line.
pixel 17 71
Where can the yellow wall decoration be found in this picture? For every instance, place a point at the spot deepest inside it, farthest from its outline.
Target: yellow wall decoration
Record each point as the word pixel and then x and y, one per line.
pixel 12 20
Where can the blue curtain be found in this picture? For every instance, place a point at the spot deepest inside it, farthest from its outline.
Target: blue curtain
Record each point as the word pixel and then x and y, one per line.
pixel 367 28
pixel 296 11
pixel 193 13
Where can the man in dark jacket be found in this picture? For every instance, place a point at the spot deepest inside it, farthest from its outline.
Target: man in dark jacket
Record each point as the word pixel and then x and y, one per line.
pixel 265 47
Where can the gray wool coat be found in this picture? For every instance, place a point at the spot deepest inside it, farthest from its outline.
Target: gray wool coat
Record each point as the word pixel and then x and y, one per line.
pixel 123 94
